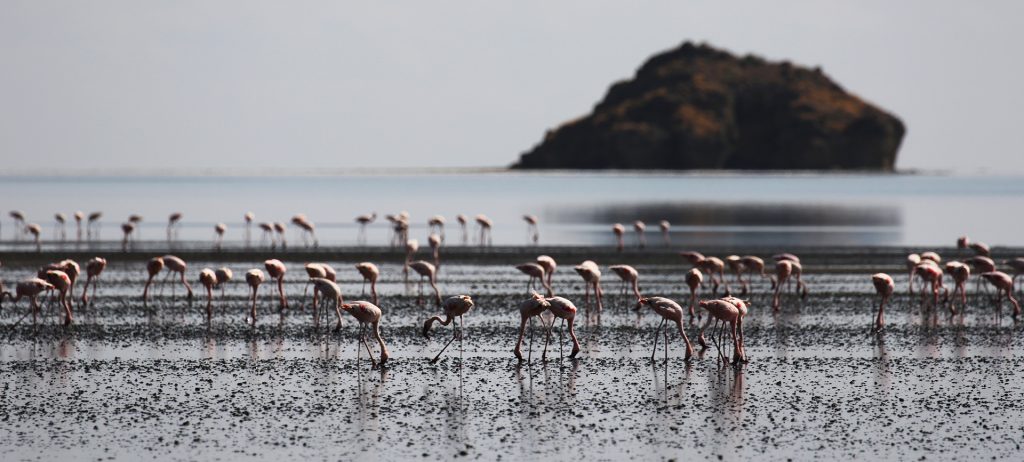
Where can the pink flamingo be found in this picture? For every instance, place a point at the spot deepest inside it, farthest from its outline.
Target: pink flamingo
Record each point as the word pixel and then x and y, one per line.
pixel 783 270
pixel 436 223
pixel 665 235
pixel 463 221
pixel 426 270
pixel 364 220
pixel 735 264
pixel 669 310
pixel 254 278
pixel 368 314
pixel 932 275
pixel 714 267
pixel 173 221
pixel 268 234
pixel 314 271
pixel 19 223
pixel 536 272
pixel 619 231
pixel 979 248
pixel 93 269
pixel 280 228
pixel 248 217
pixel 136 220
pixel 630 276
pixel 331 293
pixel 36 232
pixel 786 256
pixel 1017 265
pixel 912 261
pixel 208 279
pixel 60 230
pixel 435 247
pixel 728 314
pixel 177 265
pixel 308 229
pixel 411 247
pixel 29 288
pixel 153 267
pixel 931 256
pixel 885 286
pixel 276 270
pixel 369 272
pixel 960 273
pixel 532 231
pixel 752 265
pixel 563 309
pixel 640 227
pixel 71 268
pixel 798 273
pixel 532 307
pixel 62 283
pixel 224 274
pixel 218 230
pixel 591 275
pixel 454 307
pixel 126 229
pixel 743 306
pixel 485 225
pixel 79 216
pixel 549 265
pixel 981 265
pixel 1003 284
pixel 92 229
pixel 693 281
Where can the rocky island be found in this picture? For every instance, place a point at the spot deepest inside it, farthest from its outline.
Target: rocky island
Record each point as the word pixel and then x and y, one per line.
pixel 697 107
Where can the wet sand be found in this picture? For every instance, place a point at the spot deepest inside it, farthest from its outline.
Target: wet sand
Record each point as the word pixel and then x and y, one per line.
pixel 134 382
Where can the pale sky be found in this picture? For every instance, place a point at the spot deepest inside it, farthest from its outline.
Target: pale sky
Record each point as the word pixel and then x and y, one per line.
pixel 251 86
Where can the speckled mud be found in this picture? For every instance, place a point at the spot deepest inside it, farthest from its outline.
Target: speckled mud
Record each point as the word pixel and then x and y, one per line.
pixel 134 382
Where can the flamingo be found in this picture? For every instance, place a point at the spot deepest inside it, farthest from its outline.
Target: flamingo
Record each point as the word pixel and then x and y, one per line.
pixel 249 217
pixel 224 274
pixel 93 268
pixel 565 310
pixel 751 265
pixel 280 229
pixel 665 235
pixel 629 276
pixel 435 247
pixel 536 272
pixel 331 293
pixel 693 281
pixel 208 279
pixel 454 307
pixel 743 306
pixel 177 265
pixel 960 274
pixel 276 270
pixel 485 225
pixel 411 247
pixel 979 248
pixel 932 274
pixel 532 231
pixel 314 271
pixel 308 228
pixel 254 278
pixel 268 234
pixel 364 220
pixel 436 222
pixel 172 226
pixel 912 261
pixel 153 267
pixel 19 223
pixel 931 256
pixel 36 232
pixel 669 310
pixel 136 220
pixel 532 307
pixel 463 221
pixel 126 228
pixel 798 273
pixel 71 268
pixel 735 264
pixel 981 265
pixel 59 230
pixel 369 272
pixel 62 284
pixel 218 231
pixel 426 270
pixel 79 216
pixel 713 266
pixel 786 256
pixel 640 227
pixel 1017 265
pixel 591 275
pixel 549 265
pixel 29 288
pixel 619 231
pixel 400 231
pixel 783 270
pixel 1003 283
pixel 729 314
pixel 884 286
pixel 368 314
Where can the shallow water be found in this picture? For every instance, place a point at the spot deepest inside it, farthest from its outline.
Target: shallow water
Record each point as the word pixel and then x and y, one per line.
pixel 130 381
pixel 574 209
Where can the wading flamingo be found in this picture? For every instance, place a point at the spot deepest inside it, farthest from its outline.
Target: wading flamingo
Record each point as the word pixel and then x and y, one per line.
pixel 463 221
pixel 884 286
pixel 36 232
pixel 619 231
pixel 364 220
pixel 629 276
pixel 693 280
pixel 208 279
pixel 254 278
pixel 1003 284
pixel 126 229
pixel 454 307
pixel 136 220
pixel 752 265
pixel 173 221
pixel 331 295
pixel 60 229
pixel 485 225
pixel 979 248
pixel 435 248
pixel 248 217
pixel 177 265
pixel 729 315
pixel 426 270
pixel 783 270
pixel 666 237
pixel 1017 265
pixel 153 267
pixel 268 235
pixel 912 261
pixel 370 273
pixel 640 227
pixel 280 228
pixel 550 266
pixel 62 284
pixel 960 274
pixel 19 223
pixel 218 235
pixel 669 311
pixel 276 270
pixel 932 275
pixel 532 231
pixel 93 268
pixel 368 314
pixel 536 272
pixel 564 309
pixel 29 288
pixel 436 224
pixel 532 307
pixel 79 216
pixel 591 274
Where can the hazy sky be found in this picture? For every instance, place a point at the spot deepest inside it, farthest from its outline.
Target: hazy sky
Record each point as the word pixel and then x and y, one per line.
pixel 253 85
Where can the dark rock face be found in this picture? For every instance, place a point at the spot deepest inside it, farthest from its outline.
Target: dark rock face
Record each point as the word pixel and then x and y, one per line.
pixel 696 107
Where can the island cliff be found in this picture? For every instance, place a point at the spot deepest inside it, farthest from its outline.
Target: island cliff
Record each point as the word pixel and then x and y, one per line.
pixel 696 107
